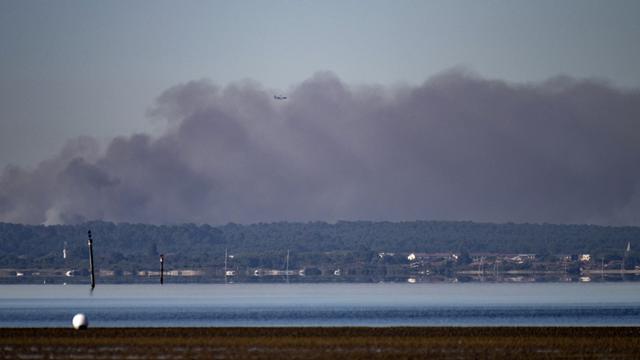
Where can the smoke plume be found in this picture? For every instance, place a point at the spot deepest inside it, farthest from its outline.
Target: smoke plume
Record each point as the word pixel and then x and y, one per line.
pixel 458 147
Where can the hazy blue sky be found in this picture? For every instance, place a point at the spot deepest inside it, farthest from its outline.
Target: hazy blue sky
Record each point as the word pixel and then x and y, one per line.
pixel 93 67
pixel 525 111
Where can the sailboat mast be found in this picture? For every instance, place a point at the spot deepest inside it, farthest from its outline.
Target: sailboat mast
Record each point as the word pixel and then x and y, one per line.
pixel 225 265
pixel 287 261
pixel 287 271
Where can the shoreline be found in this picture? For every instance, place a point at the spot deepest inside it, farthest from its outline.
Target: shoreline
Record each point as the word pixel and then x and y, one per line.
pixel 463 277
pixel 323 342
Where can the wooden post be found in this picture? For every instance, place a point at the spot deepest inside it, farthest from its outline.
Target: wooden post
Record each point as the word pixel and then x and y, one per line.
pixel 93 277
pixel 225 265
pixel 161 269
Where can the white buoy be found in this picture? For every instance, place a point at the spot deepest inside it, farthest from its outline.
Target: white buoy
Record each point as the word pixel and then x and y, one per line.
pixel 80 321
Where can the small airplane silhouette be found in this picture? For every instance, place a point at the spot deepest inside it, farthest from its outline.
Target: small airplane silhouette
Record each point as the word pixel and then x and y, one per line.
pixel 279 97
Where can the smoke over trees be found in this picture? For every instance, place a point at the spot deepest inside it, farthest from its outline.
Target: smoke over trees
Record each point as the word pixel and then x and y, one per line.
pixel 458 147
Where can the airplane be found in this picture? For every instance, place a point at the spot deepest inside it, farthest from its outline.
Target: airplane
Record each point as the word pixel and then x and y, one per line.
pixel 279 97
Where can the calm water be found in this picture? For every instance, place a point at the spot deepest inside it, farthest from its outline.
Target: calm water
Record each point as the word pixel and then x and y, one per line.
pixel 387 304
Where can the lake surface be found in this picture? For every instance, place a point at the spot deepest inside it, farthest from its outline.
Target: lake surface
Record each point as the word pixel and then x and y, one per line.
pixel 384 304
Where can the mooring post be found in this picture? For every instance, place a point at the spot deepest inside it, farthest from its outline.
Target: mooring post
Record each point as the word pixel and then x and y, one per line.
pixel 93 276
pixel 161 269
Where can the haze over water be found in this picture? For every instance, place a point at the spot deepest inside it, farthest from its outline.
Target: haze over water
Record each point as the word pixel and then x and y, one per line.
pixel 384 304
pixel 169 113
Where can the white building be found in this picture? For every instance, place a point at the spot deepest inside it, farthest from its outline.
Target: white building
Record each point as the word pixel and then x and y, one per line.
pixel 585 257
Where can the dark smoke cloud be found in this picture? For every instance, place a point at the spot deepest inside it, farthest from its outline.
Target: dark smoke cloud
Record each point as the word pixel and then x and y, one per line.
pixel 457 147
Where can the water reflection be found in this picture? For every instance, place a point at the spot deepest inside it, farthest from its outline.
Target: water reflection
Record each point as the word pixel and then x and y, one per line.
pixel 325 304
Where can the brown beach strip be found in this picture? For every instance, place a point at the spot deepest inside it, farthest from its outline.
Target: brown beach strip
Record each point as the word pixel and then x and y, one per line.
pixel 323 343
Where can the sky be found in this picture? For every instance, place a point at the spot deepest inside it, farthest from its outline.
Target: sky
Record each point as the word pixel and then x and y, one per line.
pixel 77 77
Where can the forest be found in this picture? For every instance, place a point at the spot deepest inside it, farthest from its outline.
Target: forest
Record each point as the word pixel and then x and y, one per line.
pixel 136 246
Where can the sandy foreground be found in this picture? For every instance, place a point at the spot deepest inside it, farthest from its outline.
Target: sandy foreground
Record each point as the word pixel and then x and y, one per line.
pixel 323 343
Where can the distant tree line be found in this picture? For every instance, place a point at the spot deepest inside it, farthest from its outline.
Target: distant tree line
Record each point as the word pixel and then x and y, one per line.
pixel 137 246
